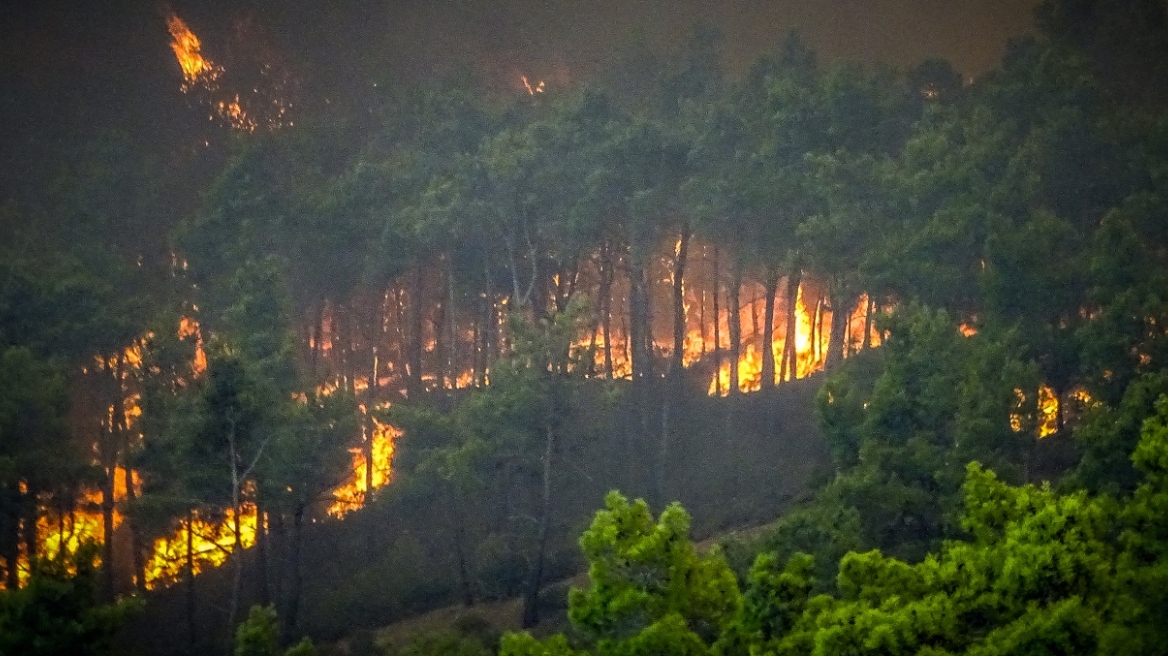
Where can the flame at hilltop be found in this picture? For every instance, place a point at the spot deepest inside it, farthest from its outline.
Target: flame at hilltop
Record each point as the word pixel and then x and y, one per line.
pixel 265 107
pixel 198 71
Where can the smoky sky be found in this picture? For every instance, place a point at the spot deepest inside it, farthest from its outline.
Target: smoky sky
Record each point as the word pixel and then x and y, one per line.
pixel 70 68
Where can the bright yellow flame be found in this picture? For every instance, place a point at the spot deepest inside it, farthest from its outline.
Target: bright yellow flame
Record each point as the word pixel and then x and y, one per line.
pixel 1048 411
pixel 211 542
pixel 197 70
pixel 351 495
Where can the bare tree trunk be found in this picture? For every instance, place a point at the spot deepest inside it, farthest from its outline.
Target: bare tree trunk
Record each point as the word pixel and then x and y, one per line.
pixel 293 610
pixel 639 323
pixel 371 400
pixel 192 631
pixel 317 338
pixel 535 578
pixel 869 310
pixel 717 319
pixel 768 330
pixel 279 542
pixel 452 364
pixel 107 525
pixel 237 548
pixel 679 300
pixel 735 310
pixel 29 526
pixel 790 367
pixel 135 535
pixel 414 359
pixel 261 558
pixel 817 330
pixel 840 315
pixel 606 279
pixel 460 552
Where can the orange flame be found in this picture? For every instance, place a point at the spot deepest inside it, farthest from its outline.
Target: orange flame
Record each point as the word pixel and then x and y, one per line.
pixel 352 495
pixel 532 90
pixel 211 541
pixel 198 71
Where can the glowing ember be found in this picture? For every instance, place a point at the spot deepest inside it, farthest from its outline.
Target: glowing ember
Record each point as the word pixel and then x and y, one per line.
pixel 532 90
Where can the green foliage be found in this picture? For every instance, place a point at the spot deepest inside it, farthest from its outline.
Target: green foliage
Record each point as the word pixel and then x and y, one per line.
pixel 647 574
pixel 58 611
pixel 259 635
pixel 447 643
pixel 1041 572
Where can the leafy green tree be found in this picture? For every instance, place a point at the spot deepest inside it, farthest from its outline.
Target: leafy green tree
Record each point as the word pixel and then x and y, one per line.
pixel 59 611
pixel 37 455
pixel 648 582
pixel 259 635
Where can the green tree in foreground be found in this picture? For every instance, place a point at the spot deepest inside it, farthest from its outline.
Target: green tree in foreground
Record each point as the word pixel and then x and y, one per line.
pixel 1041 573
pixel 651 592
pixel 58 612
pixel 259 635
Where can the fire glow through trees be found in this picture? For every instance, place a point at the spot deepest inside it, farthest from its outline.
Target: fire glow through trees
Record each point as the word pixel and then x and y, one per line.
pixel 456 349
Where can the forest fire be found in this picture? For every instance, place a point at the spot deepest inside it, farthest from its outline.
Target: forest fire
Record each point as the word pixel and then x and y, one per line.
pixel 267 108
pixel 197 70
pixel 202 541
pixel 352 495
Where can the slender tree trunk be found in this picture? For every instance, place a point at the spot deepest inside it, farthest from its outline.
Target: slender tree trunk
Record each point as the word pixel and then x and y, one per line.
pixel 817 331
pixel 29 525
pixel 440 346
pixel 639 323
pixel 717 320
pixel 606 279
pixel 107 525
pixel 839 331
pixel 279 543
pixel 642 369
pixel 237 547
pixel 768 330
pixel 460 552
pixel 535 578
pixel 869 309
pixel 414 359
pixel 190 576
pixel 371 401
pixel 679 300
pixel 135 534
pixel 10 540
pixel 735 309
pixel 790 368
pixel 672 382
pixel 293 610
pixel 263 594
pixel 452 349
pixel 317 338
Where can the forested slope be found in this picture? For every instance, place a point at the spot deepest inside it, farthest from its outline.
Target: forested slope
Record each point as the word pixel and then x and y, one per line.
pixel 408 347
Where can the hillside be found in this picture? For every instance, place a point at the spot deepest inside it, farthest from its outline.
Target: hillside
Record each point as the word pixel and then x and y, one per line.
pixel 736 462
